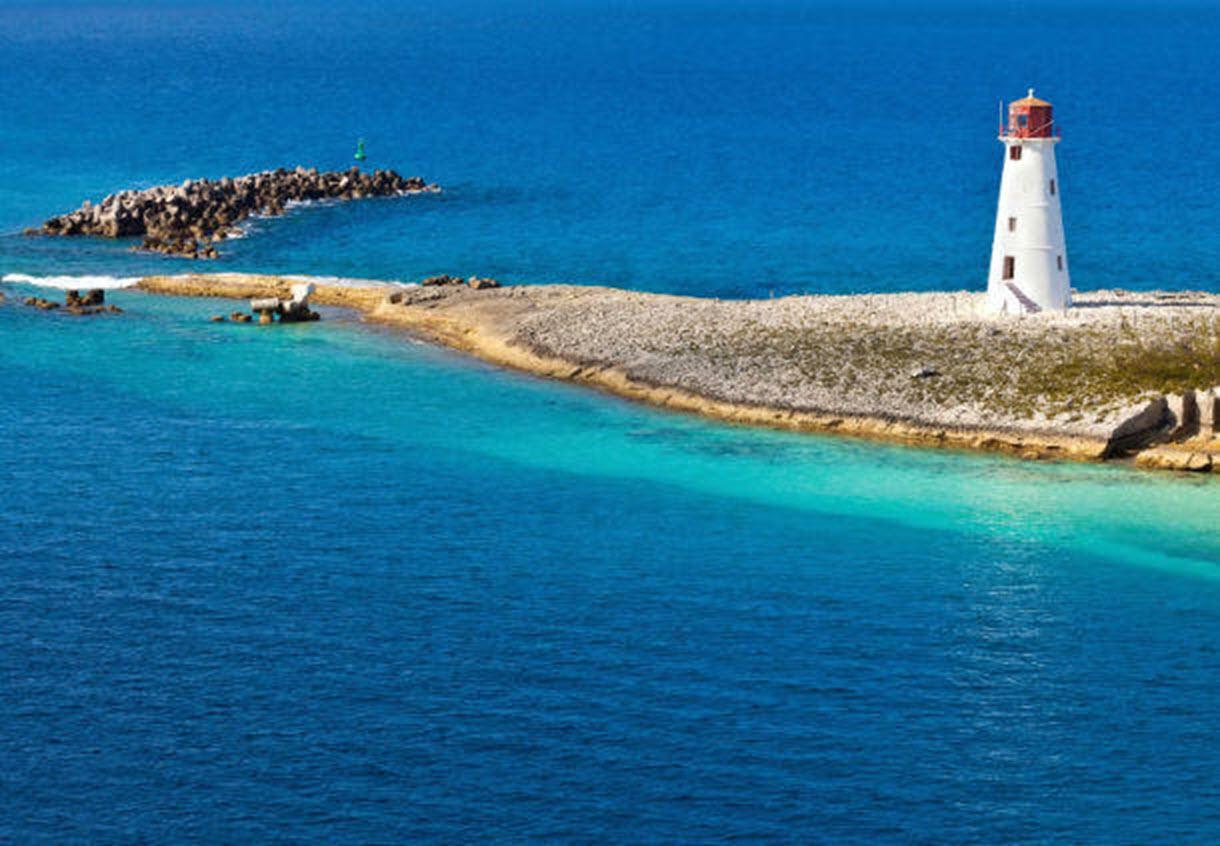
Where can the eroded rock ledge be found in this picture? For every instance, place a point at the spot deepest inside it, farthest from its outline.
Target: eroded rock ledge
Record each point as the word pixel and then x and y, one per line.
pixel 187 219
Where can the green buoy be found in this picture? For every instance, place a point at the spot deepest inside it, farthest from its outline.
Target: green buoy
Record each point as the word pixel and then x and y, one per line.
pixel 360 156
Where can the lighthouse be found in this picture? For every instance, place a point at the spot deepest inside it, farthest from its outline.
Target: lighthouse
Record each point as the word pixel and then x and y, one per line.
pixel 1029 270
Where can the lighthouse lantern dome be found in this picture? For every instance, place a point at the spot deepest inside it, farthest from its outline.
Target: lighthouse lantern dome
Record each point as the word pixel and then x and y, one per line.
pixel 1030 117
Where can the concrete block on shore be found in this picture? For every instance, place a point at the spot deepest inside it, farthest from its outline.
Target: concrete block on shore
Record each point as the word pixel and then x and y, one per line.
pixel 1184 409
pixel 1140 427
pixel 1209 413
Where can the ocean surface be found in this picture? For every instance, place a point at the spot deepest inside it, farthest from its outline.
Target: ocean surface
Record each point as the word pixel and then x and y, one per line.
pixel 327 584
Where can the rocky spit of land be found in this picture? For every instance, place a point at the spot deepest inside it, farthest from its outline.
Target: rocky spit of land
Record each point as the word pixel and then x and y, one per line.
pixel 185 220
pixel 1120 374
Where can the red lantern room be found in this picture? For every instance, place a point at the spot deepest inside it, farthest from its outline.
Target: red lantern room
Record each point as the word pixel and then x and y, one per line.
pixel 1030 117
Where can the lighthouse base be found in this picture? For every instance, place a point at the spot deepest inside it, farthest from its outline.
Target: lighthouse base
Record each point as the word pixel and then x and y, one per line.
pixel 1008 298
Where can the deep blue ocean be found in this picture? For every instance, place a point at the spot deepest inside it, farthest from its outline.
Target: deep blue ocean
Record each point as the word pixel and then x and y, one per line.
pixel 327 584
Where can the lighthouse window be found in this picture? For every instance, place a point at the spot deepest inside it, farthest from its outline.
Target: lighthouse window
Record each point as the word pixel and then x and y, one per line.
pixel 1060 262
pixel 1022 120
pixel 1014 152
pixel 1052 186
pixel 1009 267
pixel 1012 224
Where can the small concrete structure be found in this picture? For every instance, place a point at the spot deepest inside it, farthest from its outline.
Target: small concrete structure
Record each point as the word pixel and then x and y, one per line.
pixel 293 310
pixel 1184 414
pixel 1140 428
pixel 1209 413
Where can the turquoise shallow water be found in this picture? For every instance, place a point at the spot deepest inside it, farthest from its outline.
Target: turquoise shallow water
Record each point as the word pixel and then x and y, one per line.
pixel 323 583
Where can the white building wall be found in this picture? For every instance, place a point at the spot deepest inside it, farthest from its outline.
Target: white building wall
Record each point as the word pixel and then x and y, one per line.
pixel 1036 244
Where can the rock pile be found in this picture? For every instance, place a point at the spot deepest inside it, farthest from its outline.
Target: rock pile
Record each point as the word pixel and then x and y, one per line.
pixel 93 302
pixel 443 279
pixel 474 282
pixel 183 219
pixel 92 297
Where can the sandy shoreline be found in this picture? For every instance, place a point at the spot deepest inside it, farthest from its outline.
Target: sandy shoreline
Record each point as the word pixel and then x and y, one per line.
pixel 929 369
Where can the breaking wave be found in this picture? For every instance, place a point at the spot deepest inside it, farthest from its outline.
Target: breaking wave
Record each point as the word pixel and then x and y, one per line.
pixel 83 282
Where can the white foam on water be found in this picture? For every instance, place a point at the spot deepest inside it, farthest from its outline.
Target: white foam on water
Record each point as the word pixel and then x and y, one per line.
pixel 289 205
pixel 65 283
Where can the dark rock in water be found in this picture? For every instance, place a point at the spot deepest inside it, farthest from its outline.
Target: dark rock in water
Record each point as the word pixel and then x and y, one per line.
pixel 300 315
pixel 240 317
pixel 93 302
pixel 218 318
pixel 180 220
pixel 93 297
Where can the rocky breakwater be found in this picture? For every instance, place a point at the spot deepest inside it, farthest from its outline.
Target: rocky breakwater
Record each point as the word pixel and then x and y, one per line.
pixel 188 219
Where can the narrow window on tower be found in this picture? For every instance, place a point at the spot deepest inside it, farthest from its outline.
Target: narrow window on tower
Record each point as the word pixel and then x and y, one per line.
pixel 1052 186
pixel 1060 262
pixel 1012 224
pixel 1014 152
pixel 1009 267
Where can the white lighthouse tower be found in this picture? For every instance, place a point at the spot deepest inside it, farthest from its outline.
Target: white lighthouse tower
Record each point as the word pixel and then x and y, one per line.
pixel 1029 270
